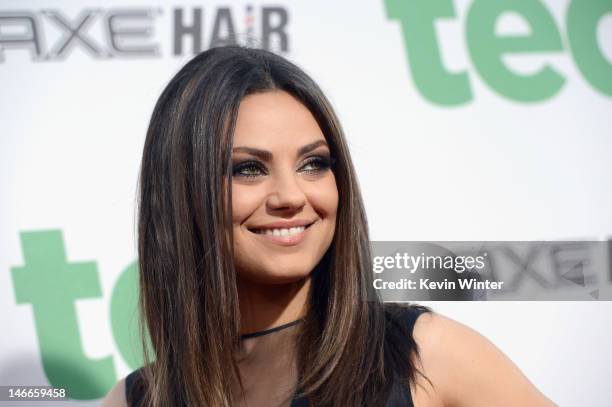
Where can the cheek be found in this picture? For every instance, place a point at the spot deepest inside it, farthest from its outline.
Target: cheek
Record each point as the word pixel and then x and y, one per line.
pixel 324 197
pixel 244 203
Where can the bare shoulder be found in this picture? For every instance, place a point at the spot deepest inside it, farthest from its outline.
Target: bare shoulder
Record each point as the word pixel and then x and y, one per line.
pixel 116 396
pixel 465 369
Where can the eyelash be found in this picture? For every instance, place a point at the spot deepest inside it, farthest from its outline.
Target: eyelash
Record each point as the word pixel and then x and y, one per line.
pixel 323 164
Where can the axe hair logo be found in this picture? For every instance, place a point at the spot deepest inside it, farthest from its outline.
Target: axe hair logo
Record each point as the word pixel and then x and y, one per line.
pixel 52 35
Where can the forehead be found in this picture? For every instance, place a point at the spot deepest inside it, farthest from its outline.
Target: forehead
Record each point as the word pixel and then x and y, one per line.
pixel 275 120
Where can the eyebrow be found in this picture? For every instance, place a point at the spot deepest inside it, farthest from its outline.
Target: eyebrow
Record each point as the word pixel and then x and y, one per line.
pixel 267 156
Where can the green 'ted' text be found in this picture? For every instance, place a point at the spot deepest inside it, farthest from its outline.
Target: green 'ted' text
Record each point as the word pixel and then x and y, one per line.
pixel 487 49
pixel 52 285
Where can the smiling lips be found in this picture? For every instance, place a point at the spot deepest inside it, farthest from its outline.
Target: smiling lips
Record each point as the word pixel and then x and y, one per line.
pixel 285 233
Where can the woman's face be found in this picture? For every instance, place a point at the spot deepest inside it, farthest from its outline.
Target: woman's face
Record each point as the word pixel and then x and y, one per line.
pixel 284 194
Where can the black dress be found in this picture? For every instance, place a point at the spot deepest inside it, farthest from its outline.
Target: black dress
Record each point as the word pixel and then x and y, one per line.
pixel 269 371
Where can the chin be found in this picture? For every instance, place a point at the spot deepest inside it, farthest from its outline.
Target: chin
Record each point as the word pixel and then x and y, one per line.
pixel 278 271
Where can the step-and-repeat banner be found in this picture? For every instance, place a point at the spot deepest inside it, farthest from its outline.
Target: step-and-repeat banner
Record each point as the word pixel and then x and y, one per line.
pixel 468 120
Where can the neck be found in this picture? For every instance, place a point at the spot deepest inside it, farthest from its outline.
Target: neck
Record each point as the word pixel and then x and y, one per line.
pixel 265 306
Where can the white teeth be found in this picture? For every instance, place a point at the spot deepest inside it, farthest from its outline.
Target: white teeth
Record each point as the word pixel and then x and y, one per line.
pixel 282 232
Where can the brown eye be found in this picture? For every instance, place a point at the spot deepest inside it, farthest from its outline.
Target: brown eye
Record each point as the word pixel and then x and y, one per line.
pixel 248 169
pixel 317 164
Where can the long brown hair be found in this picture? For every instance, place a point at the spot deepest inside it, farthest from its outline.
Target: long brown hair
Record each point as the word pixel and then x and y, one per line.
pixel 351 348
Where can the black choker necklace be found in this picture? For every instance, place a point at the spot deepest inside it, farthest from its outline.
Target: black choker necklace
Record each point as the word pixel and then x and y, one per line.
pixel 270 330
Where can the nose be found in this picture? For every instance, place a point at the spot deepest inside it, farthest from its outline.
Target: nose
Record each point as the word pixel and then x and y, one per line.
pixel 287 194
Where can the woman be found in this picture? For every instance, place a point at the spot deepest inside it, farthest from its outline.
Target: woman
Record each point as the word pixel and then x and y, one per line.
pixel 255 268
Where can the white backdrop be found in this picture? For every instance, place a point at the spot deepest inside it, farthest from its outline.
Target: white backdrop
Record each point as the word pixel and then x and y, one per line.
pixel 493 168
